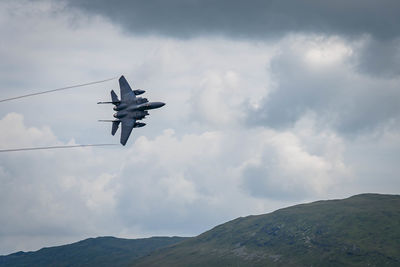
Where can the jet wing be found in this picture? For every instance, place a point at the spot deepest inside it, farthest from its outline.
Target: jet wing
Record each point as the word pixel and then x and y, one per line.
pixel 126 129
pixel 126 91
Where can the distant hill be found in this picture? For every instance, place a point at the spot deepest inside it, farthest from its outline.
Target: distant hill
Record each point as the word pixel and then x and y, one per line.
pixel 101 251
pixel 363 230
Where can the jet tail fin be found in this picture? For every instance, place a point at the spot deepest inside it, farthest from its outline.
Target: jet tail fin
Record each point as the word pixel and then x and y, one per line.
pixel 114 97
pixel 115 125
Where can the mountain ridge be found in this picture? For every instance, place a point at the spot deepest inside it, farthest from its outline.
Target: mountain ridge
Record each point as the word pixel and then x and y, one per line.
pixel 99 251
pixel 357 231
pixel 362 230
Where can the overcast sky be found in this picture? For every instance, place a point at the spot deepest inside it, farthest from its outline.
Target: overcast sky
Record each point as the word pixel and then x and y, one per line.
pixel 269 104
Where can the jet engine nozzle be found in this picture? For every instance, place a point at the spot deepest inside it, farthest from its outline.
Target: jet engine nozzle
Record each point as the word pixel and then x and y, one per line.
pixel 119 107
pixel 120 114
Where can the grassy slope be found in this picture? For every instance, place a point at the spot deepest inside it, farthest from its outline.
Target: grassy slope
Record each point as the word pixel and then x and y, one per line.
pixel 101 251
pixel 359 231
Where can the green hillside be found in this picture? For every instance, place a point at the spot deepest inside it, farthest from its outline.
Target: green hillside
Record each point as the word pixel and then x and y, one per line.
pixel 363 230
pixel 101 251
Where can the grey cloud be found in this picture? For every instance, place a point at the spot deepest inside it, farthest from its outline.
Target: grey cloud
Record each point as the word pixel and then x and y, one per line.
pixel 379 58
pixel 255 18
pixel 342 99
pixel 173 194
pixel 261 182
pixel 265 19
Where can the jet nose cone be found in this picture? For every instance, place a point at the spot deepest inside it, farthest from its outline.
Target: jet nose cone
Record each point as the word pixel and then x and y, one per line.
pixel 156 105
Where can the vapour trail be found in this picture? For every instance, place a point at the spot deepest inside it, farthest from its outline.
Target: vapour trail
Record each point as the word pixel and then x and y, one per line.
pixel 52 147
pixel 58 89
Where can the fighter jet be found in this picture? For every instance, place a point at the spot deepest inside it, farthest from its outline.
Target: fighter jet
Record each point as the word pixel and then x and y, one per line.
pixel 129 109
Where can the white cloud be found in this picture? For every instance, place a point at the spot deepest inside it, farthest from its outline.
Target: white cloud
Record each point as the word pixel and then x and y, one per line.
pixel 322 51
pixel 195 177
pixel 302 162
pixel 329 84
pixel 60 193
pixel 14 133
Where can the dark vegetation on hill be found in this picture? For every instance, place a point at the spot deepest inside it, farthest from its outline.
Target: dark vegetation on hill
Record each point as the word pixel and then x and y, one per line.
pixel 101 251
pixel 363 230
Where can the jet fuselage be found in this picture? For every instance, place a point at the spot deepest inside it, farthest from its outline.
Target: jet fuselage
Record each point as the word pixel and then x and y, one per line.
pixel 135 110
pixel 129 109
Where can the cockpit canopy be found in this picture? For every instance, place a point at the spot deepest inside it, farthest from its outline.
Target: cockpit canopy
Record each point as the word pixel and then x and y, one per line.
pixel 141 100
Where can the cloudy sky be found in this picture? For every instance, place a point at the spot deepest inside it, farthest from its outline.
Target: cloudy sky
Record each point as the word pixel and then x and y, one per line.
pixel 269 104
